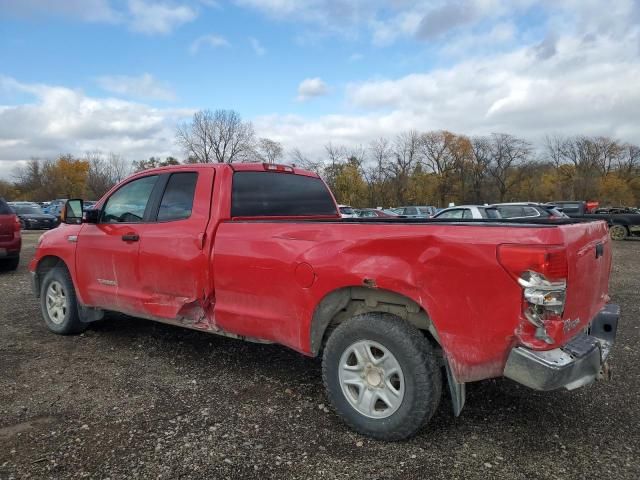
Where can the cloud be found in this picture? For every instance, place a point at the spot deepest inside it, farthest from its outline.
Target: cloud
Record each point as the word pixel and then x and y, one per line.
pixel 311 87
pixel 85 10
pixel 257 46
pixel 158 18
pixel 142 87
pixel 213 41
pixel 444 18
pixel 139 15
pixel 586 88
pixel 63 120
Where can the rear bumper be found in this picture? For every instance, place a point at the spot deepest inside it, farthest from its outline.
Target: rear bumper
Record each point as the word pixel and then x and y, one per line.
pixel 579 362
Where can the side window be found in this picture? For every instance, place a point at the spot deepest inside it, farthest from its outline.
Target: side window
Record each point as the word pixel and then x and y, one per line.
pixel 128 203
pixel 451 214
pixel 411 211
pixel 177 200
pixel 491 213
pixel 531 212
pixel 466 213
pixel 511 211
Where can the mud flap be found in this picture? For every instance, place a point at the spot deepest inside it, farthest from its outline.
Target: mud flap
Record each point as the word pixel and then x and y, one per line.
pixel 457 390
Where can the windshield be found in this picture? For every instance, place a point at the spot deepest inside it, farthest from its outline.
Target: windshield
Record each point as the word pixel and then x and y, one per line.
pixel 27 210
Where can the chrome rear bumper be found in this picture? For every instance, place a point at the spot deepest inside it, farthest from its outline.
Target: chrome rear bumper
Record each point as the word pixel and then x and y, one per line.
pixel 579 362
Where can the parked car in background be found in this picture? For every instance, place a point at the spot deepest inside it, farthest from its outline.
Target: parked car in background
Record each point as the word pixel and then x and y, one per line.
pixel 416 211
pixel 373 213
pixel 346 211
pixel 32 217
pixel 528 210
pixel 55 207
pixel 88 205
pixel 10 237
pixel 617 210
pixel 468 211
pixel 391 212
pixel 621 225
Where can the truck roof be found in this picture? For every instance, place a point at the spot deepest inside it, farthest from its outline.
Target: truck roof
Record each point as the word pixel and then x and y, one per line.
pixel 236 167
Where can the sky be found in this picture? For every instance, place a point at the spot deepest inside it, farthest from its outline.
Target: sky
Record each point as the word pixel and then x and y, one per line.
pixel 119 75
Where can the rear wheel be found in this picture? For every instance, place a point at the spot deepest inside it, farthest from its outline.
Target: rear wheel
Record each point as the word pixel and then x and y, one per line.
pixel 58 303
pixel 618 232
pixel 381 376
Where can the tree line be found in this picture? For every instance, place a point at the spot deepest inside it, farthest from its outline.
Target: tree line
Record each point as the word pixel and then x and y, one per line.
pixel 419 168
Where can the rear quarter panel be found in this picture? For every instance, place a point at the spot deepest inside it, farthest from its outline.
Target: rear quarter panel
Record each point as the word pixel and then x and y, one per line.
pixel 450 270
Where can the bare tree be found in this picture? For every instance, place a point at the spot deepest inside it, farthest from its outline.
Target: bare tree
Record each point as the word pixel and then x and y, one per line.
pixel 437 152
pixel 337 156
pixel 104 172
pixel 299 159
pixel 629 161
pixel 376 171
pixel 406 156
pixel 219 136
pixel 507 153
pixel 268 150
pixel 28 178
pixel 480 160
pixel 582 155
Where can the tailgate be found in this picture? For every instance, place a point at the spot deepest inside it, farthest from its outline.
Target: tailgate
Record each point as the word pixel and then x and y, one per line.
pixel 589 260
pixel 7 225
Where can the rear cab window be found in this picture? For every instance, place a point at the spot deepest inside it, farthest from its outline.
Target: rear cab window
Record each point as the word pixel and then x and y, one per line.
pixel 277 194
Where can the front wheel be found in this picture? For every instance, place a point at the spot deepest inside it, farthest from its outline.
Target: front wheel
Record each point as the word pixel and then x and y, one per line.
pixel 381 376
pixel 618 232
pixel 58 303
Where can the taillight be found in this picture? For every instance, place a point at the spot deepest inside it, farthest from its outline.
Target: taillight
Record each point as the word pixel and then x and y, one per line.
pixel 542 274
pixel 16 225
pixel 548 261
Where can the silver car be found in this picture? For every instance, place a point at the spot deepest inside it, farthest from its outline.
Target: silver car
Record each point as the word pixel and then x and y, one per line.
pixel 470 212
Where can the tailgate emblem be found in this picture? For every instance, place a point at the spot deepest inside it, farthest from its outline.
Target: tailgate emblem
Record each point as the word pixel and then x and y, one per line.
pixel 599 250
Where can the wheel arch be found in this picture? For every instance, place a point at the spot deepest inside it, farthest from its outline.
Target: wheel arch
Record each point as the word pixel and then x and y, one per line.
pixel 44 265
pixel 346 302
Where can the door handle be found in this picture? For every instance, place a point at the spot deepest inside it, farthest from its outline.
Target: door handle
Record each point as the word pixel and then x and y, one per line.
pixel 130 237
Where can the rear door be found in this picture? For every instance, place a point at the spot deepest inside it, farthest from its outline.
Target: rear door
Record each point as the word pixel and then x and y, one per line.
pixel 173 265
pixel 107 252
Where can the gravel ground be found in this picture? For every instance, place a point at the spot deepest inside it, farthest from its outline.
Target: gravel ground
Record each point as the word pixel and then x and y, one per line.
pixel 137 399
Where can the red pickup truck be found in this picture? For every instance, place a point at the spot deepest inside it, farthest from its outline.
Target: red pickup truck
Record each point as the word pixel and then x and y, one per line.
pixel 259 252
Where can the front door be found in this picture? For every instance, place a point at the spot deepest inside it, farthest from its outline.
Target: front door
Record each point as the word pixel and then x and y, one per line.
pixel 107 252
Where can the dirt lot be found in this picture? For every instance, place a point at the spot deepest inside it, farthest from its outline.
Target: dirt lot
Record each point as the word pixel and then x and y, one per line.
pixel 136 399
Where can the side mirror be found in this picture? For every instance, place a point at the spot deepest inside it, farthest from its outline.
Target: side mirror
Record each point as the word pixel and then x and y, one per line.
pixel 91 216
pixel 72 212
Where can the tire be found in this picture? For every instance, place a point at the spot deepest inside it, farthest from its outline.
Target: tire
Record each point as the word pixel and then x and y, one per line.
pixel 59 304
pixel 412 397
pixel 618 232
pixel 12 263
